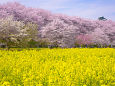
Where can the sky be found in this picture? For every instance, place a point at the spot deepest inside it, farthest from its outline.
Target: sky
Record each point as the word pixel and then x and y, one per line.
pixel 91 9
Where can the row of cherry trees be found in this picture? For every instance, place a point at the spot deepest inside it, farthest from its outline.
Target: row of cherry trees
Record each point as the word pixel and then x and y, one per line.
pixel 57 29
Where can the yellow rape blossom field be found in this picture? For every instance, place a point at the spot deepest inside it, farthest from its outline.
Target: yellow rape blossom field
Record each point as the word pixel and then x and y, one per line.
pixel 57 67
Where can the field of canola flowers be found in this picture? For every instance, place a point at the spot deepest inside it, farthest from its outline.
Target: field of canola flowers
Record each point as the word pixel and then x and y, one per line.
pixel 57 67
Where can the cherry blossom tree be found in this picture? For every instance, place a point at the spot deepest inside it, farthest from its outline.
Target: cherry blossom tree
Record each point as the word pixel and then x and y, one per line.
pixel 84 40
pixel 58 31
pixel 15 32
pixel 22 13
pixel 99 37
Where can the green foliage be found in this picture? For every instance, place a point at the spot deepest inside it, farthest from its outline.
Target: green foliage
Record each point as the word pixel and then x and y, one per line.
pixel 102 18
pixel 43 43
pixel 32 44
